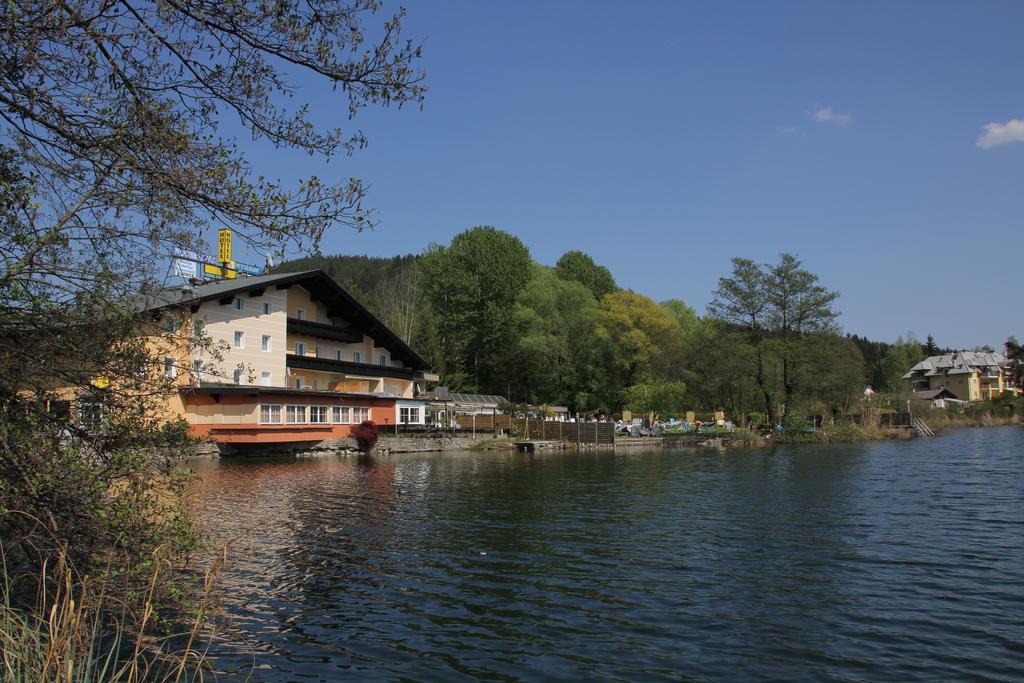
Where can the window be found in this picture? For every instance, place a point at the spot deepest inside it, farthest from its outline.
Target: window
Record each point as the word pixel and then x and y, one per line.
pixel 341 415
pixel 298 382
pixel 270 414
pixel 239 339
pixel 959 381
pixel 170 324
pixel 318 352
pixel 300 313
pixel 319 317
pixel 198 326
pixel 236 376
pixel 357 357
pixel 265 378
pixel 239 303
pixel 318 414
pixel 266 308
pixel 197 367
pixel 300 349
pixel 90 412
pixel 409 415
pixel 382 359
pixel 265 343
pixel 295 415
pixel 360 415
pixel 337 354
pixel 170 368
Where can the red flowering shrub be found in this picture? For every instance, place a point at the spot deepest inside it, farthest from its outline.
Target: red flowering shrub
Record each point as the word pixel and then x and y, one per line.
pixel 365 434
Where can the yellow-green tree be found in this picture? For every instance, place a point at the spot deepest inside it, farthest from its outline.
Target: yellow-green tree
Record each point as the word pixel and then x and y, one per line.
pixel 639 339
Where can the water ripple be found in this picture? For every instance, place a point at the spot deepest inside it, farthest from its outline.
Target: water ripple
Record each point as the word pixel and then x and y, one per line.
pixel 890 561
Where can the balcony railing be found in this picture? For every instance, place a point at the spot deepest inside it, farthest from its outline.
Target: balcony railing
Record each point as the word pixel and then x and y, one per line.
pixel 347 367
pixel 324 331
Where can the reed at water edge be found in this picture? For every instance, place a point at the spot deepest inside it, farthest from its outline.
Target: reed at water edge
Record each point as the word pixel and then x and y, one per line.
pixel 77 629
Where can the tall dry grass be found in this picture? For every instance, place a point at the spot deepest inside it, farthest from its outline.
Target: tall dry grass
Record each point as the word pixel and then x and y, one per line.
pixel 80 628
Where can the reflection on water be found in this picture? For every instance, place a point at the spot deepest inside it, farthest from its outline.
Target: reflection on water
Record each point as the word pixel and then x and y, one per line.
pixel 901 560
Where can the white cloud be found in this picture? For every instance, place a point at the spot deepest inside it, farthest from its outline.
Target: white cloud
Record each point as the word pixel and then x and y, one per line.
pixel 828 115
pixel 1001 133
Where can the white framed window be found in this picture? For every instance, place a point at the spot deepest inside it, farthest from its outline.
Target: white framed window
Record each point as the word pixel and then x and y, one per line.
pixel 337 354
pixel 341 415
pixel 298 382
pixel 239 339
pixel 197 367
pixel 266 308
pixel 300 313
pixel 170 368
pixel 266 343
pixel 300 349
pixel 295 415
pixel 319 317
pixel 236 376
pixel 357 357
pixel 265 378
pixel 382 359
pixel 317 351
pixel 360 415
pixel 409 415
pixel 318 414
pixel 270 414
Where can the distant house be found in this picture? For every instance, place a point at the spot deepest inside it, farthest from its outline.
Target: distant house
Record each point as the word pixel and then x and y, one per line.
pixel 967 375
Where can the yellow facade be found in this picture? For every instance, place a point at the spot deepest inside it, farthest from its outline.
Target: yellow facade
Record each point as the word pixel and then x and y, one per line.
pixel 969 386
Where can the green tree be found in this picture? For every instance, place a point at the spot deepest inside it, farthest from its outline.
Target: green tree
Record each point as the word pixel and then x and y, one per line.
pixel 472 286
pixel 777 306
pixel 575 266
pixel 1015 354
pixel 638 336
pixel 930 348
pixel 664 398
pixel 685 316
pixel 553 350
pixel 903 355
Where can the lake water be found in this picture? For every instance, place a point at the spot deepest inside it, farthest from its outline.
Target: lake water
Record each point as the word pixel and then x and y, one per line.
pixel 882 561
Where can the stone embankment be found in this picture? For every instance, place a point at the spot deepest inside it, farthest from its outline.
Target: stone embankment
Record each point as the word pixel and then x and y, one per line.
pixel 345 446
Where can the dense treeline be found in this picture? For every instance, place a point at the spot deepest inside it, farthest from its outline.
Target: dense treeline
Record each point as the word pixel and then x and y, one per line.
pixel 491 320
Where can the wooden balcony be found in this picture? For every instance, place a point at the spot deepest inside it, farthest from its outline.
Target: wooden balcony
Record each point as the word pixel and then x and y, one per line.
pixel 347 367
pixel 324 331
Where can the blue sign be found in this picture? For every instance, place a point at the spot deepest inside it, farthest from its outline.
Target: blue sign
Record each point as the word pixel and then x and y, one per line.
pixel 248 269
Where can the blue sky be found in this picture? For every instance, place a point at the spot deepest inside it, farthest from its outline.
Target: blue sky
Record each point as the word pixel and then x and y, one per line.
pixel 665 138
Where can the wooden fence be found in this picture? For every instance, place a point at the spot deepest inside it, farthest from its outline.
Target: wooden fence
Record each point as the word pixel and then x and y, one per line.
pixel 524 428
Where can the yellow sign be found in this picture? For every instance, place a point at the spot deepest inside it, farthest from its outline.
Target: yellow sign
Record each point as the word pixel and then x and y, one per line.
pixel 217 271
pixel 101 382
pixel 224 245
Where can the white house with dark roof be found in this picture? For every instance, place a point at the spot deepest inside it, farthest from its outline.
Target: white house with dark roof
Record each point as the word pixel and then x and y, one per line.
pixel 301 360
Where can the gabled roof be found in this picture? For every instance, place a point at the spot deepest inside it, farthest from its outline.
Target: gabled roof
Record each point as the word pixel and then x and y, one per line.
pixel 957 363
pixel 318 283
pixel 932 394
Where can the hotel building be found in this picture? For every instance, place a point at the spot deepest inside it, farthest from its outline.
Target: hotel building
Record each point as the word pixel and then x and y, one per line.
pixel 298 359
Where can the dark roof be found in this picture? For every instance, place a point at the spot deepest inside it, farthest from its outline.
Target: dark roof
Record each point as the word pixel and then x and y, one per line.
pixel 932 394
pixel 442 394
pixel 333 295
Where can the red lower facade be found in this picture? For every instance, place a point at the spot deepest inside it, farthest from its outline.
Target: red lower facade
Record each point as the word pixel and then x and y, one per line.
pixel 232 415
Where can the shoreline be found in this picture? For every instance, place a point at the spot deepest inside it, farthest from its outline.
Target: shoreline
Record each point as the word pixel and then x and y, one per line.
pixel 744 439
